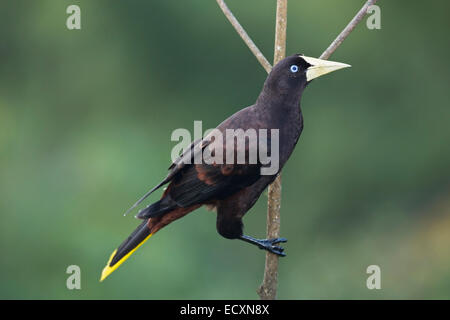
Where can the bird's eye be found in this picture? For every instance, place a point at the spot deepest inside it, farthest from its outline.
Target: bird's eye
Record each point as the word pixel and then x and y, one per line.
pixel 294 68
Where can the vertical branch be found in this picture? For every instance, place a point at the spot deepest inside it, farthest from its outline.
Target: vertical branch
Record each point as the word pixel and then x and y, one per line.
pixel 268 288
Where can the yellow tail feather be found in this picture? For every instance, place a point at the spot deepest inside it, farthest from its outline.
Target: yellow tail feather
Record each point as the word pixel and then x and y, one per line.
pixel 108 270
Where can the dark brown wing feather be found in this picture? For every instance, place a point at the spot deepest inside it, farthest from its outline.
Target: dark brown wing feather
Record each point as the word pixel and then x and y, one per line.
pixel 201 182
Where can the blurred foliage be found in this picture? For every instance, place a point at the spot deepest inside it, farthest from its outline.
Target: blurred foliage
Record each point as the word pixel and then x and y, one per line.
pixel 85 124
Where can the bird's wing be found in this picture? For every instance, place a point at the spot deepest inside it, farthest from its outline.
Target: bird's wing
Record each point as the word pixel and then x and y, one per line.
pixel 183 165
pixel 207 181
pixel 202 183
pixel 214 180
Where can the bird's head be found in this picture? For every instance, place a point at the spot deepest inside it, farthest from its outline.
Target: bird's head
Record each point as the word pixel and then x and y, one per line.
pixel 293 73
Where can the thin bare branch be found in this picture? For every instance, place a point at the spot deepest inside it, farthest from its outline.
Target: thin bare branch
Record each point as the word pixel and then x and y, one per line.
pixel 268 288
pixel 248 41
pixel 347 30
pixel 280 32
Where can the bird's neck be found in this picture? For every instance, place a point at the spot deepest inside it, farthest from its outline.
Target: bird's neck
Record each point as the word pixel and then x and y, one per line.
pixel 279 101
pixel 282 112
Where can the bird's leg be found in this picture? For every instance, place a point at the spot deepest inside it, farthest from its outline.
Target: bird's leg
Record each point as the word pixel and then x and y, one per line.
pixel 266 244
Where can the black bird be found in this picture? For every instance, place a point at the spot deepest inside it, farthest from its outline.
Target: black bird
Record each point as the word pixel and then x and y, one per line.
pixel 233 188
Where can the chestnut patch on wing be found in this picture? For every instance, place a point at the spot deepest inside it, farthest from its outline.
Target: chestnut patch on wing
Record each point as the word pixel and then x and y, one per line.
pixel 204 175
pixel 227 169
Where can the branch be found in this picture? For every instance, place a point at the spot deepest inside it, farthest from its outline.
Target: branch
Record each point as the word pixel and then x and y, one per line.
pixel 268 288
pixel 347 30
pixel 248 41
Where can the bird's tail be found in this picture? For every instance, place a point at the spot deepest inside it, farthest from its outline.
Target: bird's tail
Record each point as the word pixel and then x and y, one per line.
pixel 139 236
pixel 126 249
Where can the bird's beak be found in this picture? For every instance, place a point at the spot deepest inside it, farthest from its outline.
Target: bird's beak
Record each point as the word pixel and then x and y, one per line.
pixel 320 67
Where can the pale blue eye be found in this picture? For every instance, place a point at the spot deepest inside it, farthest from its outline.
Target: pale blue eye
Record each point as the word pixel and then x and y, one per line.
pixel 294 68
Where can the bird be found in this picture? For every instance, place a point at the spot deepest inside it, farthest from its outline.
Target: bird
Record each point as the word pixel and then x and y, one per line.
pixel 231 188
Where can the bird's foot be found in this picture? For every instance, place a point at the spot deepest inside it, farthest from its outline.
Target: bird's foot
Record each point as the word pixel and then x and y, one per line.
pixel 270 245
pixel 267 244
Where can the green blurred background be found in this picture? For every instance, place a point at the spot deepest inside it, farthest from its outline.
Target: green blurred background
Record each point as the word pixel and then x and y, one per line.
pixel 85 124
